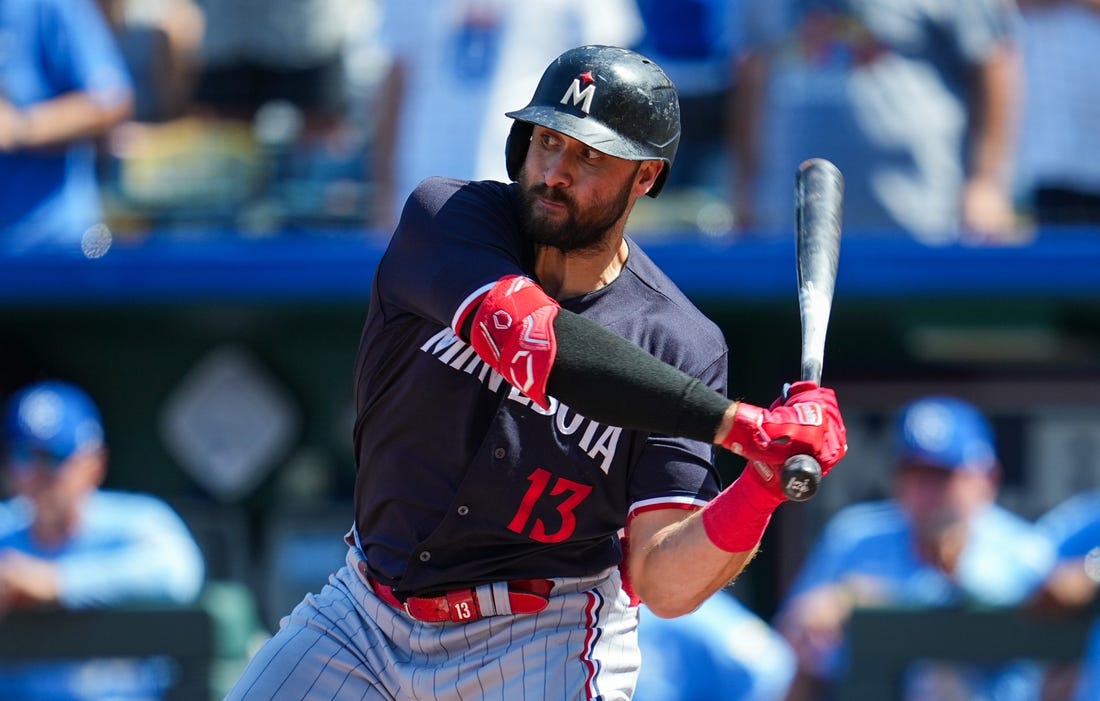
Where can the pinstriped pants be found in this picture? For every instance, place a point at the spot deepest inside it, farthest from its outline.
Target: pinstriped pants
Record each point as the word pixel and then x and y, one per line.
pixel 346 644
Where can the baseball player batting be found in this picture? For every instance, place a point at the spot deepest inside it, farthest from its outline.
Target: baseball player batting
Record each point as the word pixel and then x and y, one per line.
pixel 538 407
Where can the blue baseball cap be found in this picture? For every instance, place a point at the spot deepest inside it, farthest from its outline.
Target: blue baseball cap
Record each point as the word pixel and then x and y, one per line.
pixel 945 432
pixel 50 419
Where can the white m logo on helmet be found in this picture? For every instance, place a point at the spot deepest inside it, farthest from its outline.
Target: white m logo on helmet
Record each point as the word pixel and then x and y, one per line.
pixel 577 96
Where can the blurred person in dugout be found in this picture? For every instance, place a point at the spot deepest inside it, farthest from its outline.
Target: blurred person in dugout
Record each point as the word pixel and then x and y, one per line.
pixel 941 540
pixel 1073 526
pixel 63 83
pixel 1088 683
pixel 455 67
pixel 721 650
pixel 66 542
pixel 913 101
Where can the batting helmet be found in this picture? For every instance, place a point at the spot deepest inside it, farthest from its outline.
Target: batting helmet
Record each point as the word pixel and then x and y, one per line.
pixel 609 98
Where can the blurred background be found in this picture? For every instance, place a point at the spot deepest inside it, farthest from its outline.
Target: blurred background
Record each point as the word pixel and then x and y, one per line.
pixel 249 167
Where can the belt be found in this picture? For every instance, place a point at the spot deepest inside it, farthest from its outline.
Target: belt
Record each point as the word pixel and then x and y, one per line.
pixel 520 596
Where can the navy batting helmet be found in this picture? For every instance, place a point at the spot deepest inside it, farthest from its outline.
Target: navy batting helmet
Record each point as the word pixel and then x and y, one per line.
pixel 609 98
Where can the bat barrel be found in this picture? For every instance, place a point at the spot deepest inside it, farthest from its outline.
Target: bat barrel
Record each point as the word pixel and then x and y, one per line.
pixel 819 191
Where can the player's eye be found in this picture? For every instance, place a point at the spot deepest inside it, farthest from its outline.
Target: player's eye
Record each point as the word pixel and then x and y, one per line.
pixel 549 140
pixel 591 155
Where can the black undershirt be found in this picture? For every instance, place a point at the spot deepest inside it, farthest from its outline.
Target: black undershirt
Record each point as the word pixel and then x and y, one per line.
pixel 609 379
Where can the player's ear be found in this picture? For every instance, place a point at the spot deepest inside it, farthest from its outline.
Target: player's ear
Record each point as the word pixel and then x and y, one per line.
pixel 646 177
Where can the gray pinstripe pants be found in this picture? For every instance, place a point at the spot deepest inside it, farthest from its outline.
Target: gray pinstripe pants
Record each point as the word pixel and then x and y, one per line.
pixel 346 644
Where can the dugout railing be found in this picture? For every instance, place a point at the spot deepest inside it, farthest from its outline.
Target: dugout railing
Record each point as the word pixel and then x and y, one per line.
pixel 185 636
pixel 885 642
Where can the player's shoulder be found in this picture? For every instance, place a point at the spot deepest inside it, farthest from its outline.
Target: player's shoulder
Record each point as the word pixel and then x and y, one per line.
pixel 1077 511
pixel 665 294
pixel 996 523
pixel 435 193
pixel 108 506
pixel 16 515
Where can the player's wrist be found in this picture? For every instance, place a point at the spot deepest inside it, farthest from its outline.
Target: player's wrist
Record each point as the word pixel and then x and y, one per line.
pixel 736 519
pixel 742 425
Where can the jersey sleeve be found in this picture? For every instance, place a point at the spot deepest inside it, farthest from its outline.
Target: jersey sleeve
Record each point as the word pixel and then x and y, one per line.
pixel 678 472
pixel 1074 525
pixel 82 53
pixel 453 242
pixel 836 553
pixel 157 560
pixel 979 27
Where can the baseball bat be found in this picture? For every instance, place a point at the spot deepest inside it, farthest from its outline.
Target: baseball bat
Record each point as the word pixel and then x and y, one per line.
pixel 819 193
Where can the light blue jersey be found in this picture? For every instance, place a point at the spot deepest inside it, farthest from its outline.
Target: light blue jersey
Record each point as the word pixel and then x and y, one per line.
pixel 1074 528
pixel 1003 562
pixel 1074 525
pixel 52 48
pixel 131 548
pixel 722 650
pixel 1088 687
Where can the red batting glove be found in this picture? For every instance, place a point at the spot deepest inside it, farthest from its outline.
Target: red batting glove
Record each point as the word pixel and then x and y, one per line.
pixel 771 436
pixel 807 421
pixel 834 444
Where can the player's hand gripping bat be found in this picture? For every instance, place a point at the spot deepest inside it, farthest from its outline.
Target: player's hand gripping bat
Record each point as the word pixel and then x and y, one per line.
pixel 819 191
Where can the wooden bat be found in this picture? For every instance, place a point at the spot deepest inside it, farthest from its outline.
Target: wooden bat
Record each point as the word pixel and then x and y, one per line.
pixel 819 192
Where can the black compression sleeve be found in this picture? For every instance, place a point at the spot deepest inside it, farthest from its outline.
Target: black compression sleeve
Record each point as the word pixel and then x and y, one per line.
pixel 609 379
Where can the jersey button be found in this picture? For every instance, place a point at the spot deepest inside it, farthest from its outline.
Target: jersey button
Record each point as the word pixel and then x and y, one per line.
pixel 425 556
pixel 463 510
pixel 499 453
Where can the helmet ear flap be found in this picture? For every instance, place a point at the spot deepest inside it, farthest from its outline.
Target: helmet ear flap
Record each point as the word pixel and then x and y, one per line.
pixel 515 149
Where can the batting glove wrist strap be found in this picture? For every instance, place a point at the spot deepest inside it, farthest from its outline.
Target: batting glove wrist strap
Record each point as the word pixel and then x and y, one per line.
pixel 736 519
pixel 773 435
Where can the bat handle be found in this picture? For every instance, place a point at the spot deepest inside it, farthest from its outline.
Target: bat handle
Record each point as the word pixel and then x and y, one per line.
pixel 800 477
pixel 801 474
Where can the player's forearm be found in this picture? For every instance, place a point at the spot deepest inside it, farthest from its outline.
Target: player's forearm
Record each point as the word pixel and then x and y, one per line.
pixel 673 564
pixel 992 116
pixel 68 118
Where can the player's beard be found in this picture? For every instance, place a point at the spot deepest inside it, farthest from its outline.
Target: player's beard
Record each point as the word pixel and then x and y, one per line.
pixel 578 231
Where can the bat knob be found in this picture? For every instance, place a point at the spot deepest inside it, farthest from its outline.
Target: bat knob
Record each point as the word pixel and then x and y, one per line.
pixel 800 477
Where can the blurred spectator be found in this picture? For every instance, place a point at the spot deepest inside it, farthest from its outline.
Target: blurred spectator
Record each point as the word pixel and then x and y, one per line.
pixel 1070 589
pixel 722 650
pixel 1074 528
pixel 1060 48
pixel 697 43
pixel 63 82
pixel 912 100
pixel 456 66
pixel 160 43
pixel 68 543
pixel 271 137
pixel 940 541
pixel 1088 688
pixel 255 52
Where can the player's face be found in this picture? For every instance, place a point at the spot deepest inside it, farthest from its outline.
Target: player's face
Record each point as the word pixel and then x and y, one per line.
pixel 936 498
pixel 55 487
pixel 572 193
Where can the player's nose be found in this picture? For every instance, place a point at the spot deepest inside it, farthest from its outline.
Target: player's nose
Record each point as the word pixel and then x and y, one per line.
pixel 558 171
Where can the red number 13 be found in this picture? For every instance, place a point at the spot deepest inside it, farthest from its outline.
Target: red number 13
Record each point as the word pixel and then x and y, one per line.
pixel 575 493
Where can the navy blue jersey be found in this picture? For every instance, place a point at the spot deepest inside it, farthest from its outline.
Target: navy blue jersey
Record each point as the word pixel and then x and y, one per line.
pixel 461 480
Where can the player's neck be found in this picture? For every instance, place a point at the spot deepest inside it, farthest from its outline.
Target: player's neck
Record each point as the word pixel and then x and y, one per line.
pixel 566 275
